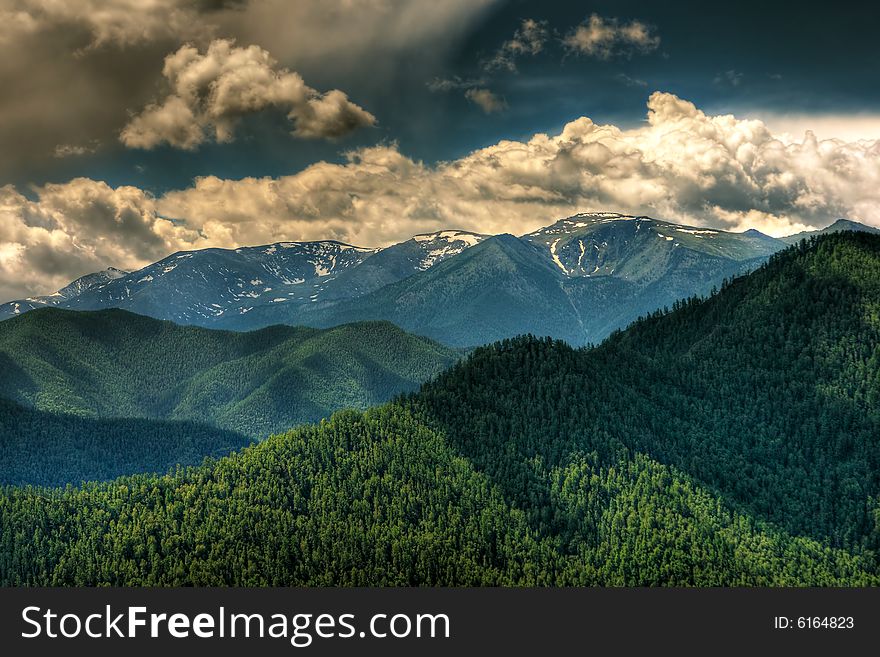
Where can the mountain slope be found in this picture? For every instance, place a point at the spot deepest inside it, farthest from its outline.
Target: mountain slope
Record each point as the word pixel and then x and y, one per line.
pixel 498 288
pixel 62 296
pixel 639 248
pixel 54 449
pixel 620 267
pixel 116 364
pixel 576 280
pixel 385 267
pixel 90 282
pixel 378 499
pixel 252 287
pixel 196 287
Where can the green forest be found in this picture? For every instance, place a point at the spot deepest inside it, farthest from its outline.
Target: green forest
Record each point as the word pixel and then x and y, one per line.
pixel 52 449
pixel 94 395
pixel 733 440
pixel 380 499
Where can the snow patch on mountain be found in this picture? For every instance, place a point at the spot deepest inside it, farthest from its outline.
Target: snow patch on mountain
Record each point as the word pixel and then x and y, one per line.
pixel 84 283
pixel 450 236
pixel 698 232
pixel 581 220
pixel 444 244
pixel 556 256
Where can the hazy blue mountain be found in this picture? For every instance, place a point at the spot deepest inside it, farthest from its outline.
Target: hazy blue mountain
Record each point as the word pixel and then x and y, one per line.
pixel 578 279
pixel 639 249
pixel 384 267
pixel 838 226
pixel 198 287
pixel 62 296
pixel 503 286
pixel 252 287
pixel 399 261
pixel 620 267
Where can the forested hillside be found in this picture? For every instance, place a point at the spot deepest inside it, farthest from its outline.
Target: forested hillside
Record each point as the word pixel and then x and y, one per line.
pixel 768 392
pixel 54 449
pixel 771 390
pixel 168 394
pixel 731 441
pixel 379 499
pixel 115 364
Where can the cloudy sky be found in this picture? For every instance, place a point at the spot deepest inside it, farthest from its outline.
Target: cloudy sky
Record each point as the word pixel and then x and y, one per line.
pixel 133 129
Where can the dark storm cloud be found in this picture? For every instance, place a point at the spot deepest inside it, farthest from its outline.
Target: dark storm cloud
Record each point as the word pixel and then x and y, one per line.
pixel 70 73
pixel 74 73
pixel 218 5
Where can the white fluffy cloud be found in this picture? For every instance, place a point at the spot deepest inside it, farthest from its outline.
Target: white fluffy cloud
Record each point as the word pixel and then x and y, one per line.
pixel 682 165
pixel 604 37
pixel 848 127
pixel 212 91
pixel 75 228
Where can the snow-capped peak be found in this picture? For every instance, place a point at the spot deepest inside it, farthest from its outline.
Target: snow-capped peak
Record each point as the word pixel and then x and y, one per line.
pixel 445 243
pixel 451 236
pixel 318 244
pixel 90 281
pixel 583 220
pixel 600 215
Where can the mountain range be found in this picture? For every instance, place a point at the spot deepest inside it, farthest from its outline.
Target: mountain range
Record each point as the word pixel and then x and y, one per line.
pixel 576 280
pixel 727 441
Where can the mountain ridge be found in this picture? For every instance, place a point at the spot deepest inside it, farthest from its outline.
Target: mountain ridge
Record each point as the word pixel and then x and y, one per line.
pixel 613 268
pixel 835 227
